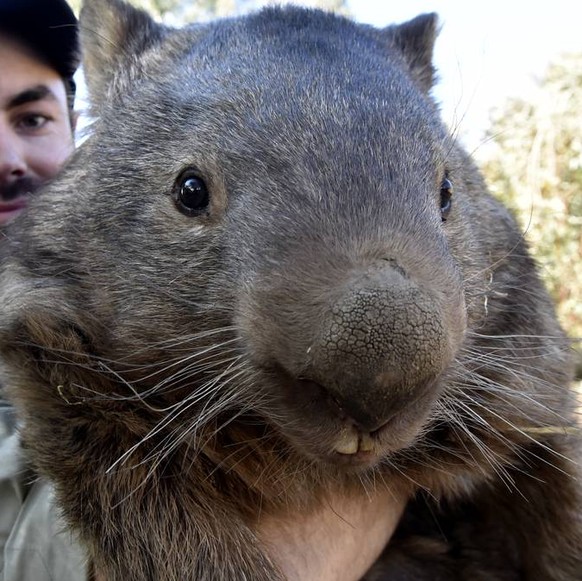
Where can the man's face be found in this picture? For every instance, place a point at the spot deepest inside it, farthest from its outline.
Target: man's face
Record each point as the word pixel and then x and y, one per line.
pixel 36 136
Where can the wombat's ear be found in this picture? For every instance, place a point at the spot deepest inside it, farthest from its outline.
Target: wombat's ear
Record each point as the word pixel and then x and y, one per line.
pixel 416 40
pixel 113 33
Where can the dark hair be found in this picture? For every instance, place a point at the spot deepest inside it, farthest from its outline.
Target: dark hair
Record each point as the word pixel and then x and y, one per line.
pixel 49 28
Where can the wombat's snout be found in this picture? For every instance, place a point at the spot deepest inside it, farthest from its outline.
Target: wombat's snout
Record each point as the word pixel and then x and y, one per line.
pixel 381 347
pixel 357 357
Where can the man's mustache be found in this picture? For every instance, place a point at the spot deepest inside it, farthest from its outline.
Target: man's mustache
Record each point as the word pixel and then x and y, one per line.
pixel 21 187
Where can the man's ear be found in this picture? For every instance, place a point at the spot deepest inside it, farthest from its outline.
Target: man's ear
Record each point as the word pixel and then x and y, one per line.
pixel 113 34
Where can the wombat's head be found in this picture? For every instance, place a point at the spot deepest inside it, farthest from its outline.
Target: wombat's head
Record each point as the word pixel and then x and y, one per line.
pixel 267 227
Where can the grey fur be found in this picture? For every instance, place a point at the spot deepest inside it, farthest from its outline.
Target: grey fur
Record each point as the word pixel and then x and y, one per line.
pixel 176 374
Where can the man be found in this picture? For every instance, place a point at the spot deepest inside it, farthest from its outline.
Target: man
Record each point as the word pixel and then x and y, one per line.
pixel 38 57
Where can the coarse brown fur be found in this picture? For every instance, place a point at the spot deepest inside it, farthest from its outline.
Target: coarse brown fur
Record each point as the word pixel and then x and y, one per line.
pixel 322 322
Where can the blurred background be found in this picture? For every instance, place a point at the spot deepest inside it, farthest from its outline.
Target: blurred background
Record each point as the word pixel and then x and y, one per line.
pixel 510 87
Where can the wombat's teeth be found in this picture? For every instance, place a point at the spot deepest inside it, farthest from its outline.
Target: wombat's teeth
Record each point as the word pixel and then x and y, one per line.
pixel 347 443
pixel 351 442
pixel 366 443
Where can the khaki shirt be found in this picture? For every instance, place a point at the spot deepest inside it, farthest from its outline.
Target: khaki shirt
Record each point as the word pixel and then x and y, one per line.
pixel 34 542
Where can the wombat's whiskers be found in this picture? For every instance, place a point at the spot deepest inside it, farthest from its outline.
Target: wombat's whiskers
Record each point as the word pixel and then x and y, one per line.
pixel 206 395
pixel 473 400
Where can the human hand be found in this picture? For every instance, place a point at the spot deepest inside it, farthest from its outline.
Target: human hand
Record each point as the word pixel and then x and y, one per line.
pixel 338 542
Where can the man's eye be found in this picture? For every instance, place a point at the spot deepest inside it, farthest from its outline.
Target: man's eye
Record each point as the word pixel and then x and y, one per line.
pixel 33 121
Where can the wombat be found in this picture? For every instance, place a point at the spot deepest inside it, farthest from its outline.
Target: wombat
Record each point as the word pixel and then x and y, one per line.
pixel 271 274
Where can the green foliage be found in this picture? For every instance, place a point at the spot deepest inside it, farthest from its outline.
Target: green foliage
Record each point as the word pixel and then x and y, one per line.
pixel 536 167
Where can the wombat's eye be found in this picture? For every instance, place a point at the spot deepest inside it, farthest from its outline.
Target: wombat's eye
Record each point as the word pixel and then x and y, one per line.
pixel 446 198
pixel 191 194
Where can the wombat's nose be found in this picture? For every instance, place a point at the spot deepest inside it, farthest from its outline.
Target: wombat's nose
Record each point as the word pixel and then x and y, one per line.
pixel 382 346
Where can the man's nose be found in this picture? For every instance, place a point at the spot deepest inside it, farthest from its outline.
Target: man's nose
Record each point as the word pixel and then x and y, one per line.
pixel 12 160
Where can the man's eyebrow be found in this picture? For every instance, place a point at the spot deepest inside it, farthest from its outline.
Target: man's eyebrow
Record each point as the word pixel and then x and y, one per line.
pixel 31 95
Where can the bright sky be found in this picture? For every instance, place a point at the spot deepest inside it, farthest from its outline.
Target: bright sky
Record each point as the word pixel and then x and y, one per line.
pixel 486 51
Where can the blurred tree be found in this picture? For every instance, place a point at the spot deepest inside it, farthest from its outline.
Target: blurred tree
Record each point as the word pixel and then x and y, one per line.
pixel 174 9
pixel 178 12
pixel 535 165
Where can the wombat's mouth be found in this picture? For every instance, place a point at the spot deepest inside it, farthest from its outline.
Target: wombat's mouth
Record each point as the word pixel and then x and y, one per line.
pixel 353 445
pixel 324 428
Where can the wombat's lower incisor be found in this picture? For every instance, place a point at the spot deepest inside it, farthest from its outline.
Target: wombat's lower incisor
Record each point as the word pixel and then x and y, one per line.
pixel 271 274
